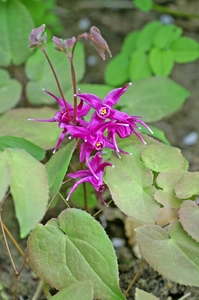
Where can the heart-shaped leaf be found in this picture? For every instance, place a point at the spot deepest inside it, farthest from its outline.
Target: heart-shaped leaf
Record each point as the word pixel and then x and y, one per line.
pixel 57 167
pixel 153 98
pixel 189 218
pixel 10 91
pixel 160 158
pixel 188 185
pixel 29 188
pixel 15 123
pixel 8 141
pixel 72 249
pixel 15 25
pixel 81 290
pixel 130 184
pixel 175 255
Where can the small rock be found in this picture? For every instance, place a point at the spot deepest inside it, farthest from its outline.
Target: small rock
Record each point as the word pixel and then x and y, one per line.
pixel 191 138
pixel 84 24
pixel 166 19
pixel 118 242
pixel 92 60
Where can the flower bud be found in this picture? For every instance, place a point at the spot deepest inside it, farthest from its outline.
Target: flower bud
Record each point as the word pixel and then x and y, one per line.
pixel 37 36
pixel 99 42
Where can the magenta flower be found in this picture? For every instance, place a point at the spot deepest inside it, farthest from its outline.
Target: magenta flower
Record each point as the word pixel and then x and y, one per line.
pixel 87 176
pixel 64 117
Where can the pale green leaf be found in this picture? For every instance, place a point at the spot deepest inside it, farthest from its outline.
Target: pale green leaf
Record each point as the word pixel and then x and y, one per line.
pixel 41 77
pixel 174 254
pixel 185 50
pixel 72 249
pixel 139 66
pixel 153 98
pixel 160 158
pixel 8 141
pixel 29 188
pixel 117 70
pixel 142 295
pixel 189 218
pixel 15 26
pixel 161 61
pixel 81 290
pixel 15 123
pixel 130 185
pixel 188 185
pixel 5 176
pixel 129 43
pixel 57 167
pixel 10 91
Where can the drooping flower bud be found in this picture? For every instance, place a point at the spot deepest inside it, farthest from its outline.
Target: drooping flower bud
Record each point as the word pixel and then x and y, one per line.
pixel 99 42
pixel 37 36
pixel 63 45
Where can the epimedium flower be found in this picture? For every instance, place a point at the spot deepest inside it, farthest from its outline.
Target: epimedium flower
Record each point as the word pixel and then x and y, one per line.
pixel 64 116
pixel 87 176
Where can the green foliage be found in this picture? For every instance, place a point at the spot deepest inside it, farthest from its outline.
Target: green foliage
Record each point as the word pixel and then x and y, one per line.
pixel 78 196
pixel 10 91
pixel 151 51
pixel 140 295
pixel 13 33
pixel 57 167
pixel 164 250
pixel 28 185
pixel 81 290
pixel 8 141
pixel 15 123
pixel 144 5
pixel 75 241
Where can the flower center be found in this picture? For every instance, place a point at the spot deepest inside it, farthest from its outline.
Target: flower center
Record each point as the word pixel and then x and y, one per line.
pixel 99 145
pixel 104 112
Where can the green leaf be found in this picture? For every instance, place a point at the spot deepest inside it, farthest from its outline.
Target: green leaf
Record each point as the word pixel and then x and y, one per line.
pixel 8 141
pixel 13 34
pixel 185 50
pixel 15 123
pixel 10 91
pixel 29 188
pixel 139 67
pixel 189 218
pixel 40 74
pixel 188 185
pixel 78 196
pixel 81 290
pixel 57 167
pixel 160 158
pixel 140 295
pixel 129 43
pixel 173 254
pixel 153 98
pixel 72 249
pixel 167 182
pixel 157 133
pixel 144 5
pixel 116 72
pixel 161 61
pixel 144 40
pixel 166 35
pixel 130 185
pixel 5 175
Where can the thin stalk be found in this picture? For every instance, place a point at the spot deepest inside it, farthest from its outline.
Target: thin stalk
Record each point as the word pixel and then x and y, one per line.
pixel 99 211
pixel 14 241
pixel 46 292
pixel 181 14
pixel 84 191
pixel 135 277
pixel 38 291
pixel 64 200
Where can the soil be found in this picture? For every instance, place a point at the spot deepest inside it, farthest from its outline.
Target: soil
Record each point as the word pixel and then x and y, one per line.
pixel 115 19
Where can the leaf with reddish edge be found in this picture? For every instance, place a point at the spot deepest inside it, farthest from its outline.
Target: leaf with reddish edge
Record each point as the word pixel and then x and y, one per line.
pixel 81 290
pixel 72 249
pixel 167 181
pixel 130 183
pixel 174 254
pixel 189 218
pixel 188 185
pixel 15 122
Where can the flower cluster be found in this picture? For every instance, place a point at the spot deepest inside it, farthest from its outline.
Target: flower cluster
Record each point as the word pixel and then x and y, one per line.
pixel 105 124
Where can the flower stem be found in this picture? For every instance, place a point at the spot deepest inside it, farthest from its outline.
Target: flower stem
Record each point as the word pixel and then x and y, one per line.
pixel 135 277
